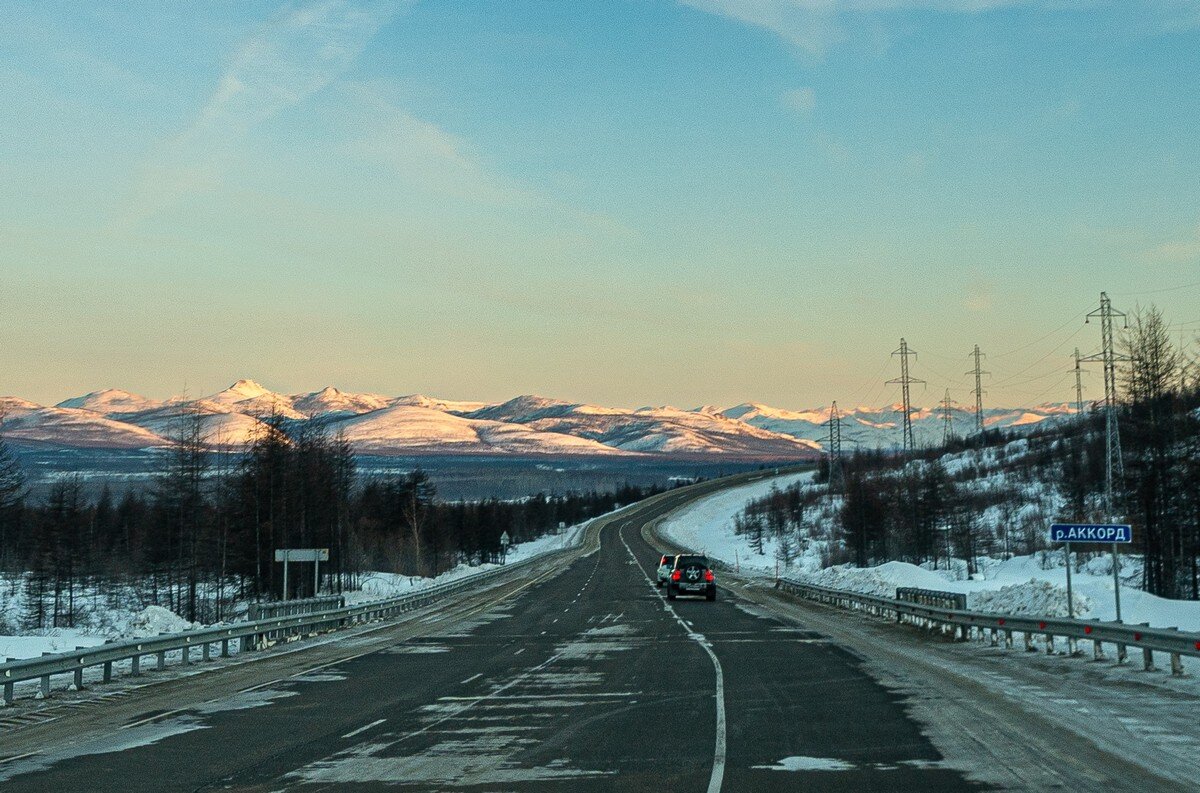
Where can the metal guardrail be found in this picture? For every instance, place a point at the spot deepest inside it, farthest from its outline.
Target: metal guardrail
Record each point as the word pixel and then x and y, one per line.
pixel 251 634
pixel 290 608
pixel 932 597
pixel 1002 627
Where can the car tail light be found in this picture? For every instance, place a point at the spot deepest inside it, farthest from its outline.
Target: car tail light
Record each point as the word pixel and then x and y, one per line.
pixel 676 575
pixel 708 576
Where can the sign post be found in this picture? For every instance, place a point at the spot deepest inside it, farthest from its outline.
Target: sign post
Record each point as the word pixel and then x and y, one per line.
pixel 1113 534
pixel 314 555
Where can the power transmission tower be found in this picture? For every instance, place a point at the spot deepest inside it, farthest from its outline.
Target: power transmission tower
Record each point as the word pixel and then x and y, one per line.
pixel 979 392
pixel 1112 435
pixel 1078 384
pixel 947 415
pixel 905 381
pixel 837 479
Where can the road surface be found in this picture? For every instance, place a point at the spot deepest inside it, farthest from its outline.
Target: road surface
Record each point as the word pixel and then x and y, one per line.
pixel 580 677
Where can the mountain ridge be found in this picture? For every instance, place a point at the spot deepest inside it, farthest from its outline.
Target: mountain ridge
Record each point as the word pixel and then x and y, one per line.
pixel 527 424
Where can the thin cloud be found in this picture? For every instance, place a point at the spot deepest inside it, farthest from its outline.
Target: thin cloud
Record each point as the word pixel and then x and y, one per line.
pixel 422 153
pixel 815 26
pixel 1176 251
pixel 298 52
pixel 801 100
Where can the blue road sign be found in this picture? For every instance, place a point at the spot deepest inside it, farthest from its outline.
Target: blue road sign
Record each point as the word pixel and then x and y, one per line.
pixel 1091 532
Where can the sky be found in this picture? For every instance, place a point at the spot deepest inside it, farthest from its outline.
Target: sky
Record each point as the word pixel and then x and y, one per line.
pixel 627 202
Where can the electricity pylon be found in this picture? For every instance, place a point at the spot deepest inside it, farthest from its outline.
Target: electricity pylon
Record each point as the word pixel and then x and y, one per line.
pixel 979 392
pixel 947 416
pixel 837 477
pixel 1113 464
pixel 1078 384
pixel 905 381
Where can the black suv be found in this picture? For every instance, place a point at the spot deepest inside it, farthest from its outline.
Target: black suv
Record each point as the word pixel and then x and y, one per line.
pixel 692 575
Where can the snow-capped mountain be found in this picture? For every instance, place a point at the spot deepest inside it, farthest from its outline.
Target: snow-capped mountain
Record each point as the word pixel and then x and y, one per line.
pixel 663 430
pixel 110 402
pixel 525 425
pixel 405 429
pixel 883 427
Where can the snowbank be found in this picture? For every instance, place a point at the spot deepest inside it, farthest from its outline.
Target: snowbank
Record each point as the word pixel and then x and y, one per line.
pixel 1022 585
pixel 379 585
pixel 154 620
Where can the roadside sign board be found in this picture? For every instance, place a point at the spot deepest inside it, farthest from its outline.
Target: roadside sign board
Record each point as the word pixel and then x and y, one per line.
pixel 302 554
pixel 504 540
pixel 1110 533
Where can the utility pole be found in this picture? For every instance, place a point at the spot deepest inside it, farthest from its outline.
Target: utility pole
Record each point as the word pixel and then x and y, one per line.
pixel 905 381
pixel 947 419
pixel 1078 384
pixel 1114 465
pixel 979 392
pixel 837 480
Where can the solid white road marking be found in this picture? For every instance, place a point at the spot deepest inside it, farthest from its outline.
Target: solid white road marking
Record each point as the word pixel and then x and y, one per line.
pixel 518 652
pixel 472 677
pixel 718 769
pixel 364 728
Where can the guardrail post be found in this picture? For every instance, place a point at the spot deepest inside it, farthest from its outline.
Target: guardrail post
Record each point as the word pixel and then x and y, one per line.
pixel 162 660
pixel 45 690
pixel 995 637
pixel 1122 655
pixel 107 672
pixel 1176 664
pixel 1148 659
pixel 8 694
pixel 224 648
pixel 136 666
pixel 1049 644
pixel 1097 650
pixel 1029 648
pixel 187 654
pixel 78 682
pixel 204 652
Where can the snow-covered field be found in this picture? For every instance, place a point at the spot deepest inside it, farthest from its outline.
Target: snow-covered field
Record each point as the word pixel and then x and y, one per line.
pixel 153 620
pixel 1033 584
pixel 707 525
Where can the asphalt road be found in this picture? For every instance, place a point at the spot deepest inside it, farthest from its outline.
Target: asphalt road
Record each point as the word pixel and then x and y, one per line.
pixel 584 680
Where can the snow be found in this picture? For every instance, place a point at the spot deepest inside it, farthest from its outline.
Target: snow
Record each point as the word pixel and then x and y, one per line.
pixel 377 585
pixel 1033 585
pixel 115 623
pixel 404 428
pixel 706 526
pixel 153 620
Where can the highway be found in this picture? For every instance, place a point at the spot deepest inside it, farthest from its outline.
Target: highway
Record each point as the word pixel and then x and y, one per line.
pixel 576 677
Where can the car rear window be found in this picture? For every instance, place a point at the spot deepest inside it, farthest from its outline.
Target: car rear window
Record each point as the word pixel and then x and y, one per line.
pixel 665 560
pixel 685 561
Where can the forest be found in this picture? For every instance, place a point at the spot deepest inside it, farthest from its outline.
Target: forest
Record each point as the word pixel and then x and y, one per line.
pixel 995 493
pixel 202 538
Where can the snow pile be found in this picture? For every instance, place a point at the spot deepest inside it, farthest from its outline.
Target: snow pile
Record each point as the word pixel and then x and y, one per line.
pixel 882 581
pixel 154 620
pixel 1038 598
